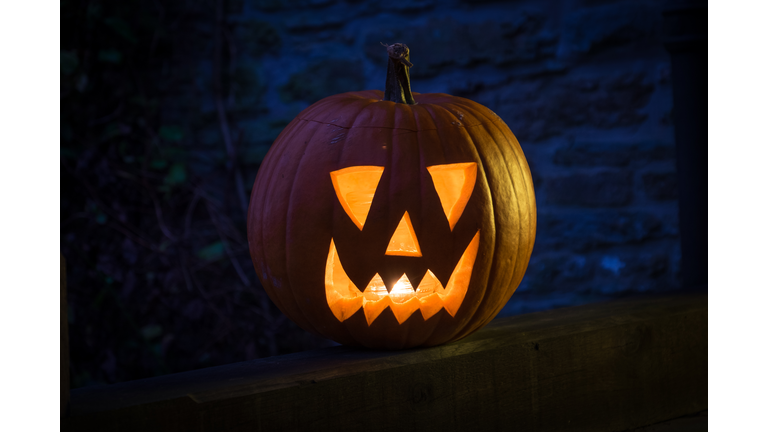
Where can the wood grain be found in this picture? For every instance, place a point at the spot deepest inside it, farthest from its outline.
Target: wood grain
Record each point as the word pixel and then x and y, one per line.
pixel 608 366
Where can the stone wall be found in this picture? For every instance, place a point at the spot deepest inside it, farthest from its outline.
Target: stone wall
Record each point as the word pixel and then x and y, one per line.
pixel 584 85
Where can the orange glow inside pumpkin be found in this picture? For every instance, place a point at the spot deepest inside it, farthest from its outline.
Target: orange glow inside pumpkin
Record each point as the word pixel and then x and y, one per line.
pixel 403 241
pixel 355 187
pixel 454 184
pixel 344 298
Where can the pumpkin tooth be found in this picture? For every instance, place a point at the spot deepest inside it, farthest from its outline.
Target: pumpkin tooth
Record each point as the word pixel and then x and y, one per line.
pixel 404 301
pixel 429 285
pixel 346 307
pixel 375 298
pixel 430 304
pixel 429 295
pixel 402 291
pixel 374 308
pixel 375 289
pixel 404 310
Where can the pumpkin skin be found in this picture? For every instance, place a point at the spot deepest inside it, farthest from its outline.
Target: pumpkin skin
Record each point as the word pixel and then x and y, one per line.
pixel 295 213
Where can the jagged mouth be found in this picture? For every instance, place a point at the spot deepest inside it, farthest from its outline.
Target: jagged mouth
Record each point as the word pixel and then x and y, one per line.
pixel 344 298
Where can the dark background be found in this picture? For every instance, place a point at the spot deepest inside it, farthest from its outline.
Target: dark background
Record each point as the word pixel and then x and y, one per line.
pixel 168 107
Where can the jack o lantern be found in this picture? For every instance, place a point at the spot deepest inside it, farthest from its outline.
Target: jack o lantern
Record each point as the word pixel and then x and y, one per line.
pixel 392 220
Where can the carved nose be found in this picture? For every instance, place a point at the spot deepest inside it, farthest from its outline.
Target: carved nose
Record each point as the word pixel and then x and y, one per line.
pixel 403 241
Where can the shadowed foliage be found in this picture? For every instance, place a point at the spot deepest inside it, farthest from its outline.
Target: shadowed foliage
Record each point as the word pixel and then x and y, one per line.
pixel 154 192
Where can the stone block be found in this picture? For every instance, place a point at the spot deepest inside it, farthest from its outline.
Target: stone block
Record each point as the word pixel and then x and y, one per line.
pixel 247 89
pixel 323 79
pixel 258 37
pixel 314 22
pixel 277 5
pixel 644 270
pixel 377 6
pixel 603 272
pixel 585 231
pixel 603 189
pixel 556 272
pixel 550 107
pixel 649 266
pixel 660 186
pixel 601 28
pixel 444 42
pixel 612 154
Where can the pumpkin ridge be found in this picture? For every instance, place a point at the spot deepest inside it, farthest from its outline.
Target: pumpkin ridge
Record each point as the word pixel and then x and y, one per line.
pixel 462 331
pixel 290 296
pixel 426 107
pixel 420 111
pixel 281 303
pixel 256 247
pixel 429 109
pixel 527 177
pixel 432 109
pixel 316 107
pixel 525 171
pixel 524 236
pixel 302 159
pixel 407 327
pixel 517 150
pixel 479 111
pixel 343 148
pixel 454 102
pixel 530 235
pixel 487 315
pixel 490 314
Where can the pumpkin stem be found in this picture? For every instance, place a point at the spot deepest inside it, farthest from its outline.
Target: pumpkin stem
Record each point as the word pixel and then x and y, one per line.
pixel 398 87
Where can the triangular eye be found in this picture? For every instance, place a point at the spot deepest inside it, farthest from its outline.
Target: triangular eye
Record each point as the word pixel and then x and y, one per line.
pixel 355 187
pixel 454 184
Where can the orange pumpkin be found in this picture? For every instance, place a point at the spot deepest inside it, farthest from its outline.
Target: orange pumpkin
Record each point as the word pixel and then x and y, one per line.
pixel 391 224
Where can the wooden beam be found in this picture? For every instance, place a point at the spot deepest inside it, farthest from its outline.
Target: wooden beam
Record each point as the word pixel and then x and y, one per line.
pixel 607 366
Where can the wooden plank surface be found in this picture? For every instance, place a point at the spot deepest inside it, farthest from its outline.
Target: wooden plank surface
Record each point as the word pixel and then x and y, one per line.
pixel 698 422
pixel 607 366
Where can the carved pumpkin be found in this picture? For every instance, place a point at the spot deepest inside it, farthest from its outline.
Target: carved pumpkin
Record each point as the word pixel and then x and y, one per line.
pixel 378 222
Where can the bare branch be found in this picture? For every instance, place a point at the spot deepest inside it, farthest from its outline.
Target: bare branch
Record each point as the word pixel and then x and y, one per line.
pixel 227 249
